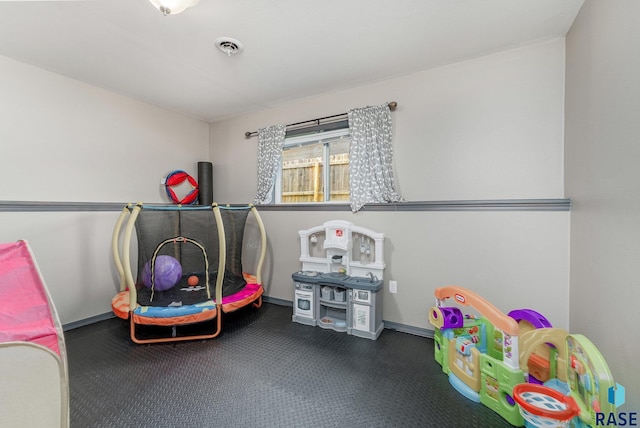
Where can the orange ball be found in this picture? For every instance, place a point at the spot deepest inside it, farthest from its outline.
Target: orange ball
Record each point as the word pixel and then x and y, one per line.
pixel 193 280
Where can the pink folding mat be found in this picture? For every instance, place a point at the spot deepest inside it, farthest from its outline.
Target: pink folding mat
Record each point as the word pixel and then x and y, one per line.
pixel 26 314
pixel 34 387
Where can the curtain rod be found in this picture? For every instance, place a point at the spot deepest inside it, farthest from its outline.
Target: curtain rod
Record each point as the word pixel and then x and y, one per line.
pixel 248 134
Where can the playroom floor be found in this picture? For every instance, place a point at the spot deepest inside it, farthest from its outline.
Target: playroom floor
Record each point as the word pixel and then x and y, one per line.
pixel 263 371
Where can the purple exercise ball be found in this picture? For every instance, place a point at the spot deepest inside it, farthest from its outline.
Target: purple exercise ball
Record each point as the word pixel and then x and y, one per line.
pixel 168 272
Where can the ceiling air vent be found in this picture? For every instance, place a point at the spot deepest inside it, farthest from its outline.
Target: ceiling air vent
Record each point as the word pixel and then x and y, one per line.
pixel 229 46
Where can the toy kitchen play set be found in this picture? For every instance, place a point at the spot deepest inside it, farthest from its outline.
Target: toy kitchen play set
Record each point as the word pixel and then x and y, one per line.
pixel 339 285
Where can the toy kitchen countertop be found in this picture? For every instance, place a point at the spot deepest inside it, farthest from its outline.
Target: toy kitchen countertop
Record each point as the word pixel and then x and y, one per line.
pixel 340 279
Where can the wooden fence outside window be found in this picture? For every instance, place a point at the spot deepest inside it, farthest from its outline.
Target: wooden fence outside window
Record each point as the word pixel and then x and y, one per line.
pixel 302 179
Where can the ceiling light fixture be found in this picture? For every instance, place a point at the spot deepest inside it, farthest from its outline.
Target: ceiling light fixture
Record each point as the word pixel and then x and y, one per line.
pixel 229 46
pixel 173 7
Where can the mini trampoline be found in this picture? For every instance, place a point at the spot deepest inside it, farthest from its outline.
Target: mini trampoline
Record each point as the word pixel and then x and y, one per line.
pixel 207 244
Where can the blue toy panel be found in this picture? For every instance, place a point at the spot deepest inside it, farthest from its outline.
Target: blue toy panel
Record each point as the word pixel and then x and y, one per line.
pixel 174 311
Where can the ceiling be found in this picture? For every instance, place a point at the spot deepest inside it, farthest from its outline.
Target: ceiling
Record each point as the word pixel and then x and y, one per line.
pixel 292 48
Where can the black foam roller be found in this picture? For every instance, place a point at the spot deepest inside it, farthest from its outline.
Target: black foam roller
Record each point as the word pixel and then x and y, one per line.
pixel 205 183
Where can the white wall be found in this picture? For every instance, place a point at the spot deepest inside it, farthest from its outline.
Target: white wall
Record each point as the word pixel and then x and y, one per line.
pixel 603 181
pixel 62 140
pixel 487 128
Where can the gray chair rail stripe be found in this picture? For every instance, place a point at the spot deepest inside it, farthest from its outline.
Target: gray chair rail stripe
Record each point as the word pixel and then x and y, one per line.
pixel 454 205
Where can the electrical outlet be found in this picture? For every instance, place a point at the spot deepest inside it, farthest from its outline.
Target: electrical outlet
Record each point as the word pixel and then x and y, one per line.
pixel 393 287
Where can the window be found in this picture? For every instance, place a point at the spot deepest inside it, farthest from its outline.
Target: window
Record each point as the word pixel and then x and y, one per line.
pixel 304 175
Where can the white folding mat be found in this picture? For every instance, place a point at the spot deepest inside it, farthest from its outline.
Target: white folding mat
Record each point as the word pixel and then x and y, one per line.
pixel 34 386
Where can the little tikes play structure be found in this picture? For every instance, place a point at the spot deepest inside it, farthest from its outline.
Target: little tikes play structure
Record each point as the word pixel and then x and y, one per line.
pixel 518 365
pixel 189 266
pixel 34 387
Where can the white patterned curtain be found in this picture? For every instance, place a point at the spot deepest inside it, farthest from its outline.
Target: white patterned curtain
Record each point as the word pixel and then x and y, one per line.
pixel 370 157
pixel 270 141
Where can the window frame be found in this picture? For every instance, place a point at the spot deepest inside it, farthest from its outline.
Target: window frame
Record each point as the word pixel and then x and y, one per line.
pixel 307 139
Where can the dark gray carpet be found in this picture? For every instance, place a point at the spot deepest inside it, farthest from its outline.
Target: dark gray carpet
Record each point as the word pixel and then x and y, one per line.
pixel 263 371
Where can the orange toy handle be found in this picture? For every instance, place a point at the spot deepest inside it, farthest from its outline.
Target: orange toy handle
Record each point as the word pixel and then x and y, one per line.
pixel 468 298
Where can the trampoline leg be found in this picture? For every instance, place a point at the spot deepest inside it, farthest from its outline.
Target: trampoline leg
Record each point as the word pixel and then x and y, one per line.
pixel 175 338
pixel 258 302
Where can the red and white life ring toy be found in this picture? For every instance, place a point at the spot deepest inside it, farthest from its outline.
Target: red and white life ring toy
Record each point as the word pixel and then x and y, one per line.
pixel 176 178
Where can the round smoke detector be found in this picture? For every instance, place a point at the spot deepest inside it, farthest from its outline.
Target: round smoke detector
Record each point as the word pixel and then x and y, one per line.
pixel 229 46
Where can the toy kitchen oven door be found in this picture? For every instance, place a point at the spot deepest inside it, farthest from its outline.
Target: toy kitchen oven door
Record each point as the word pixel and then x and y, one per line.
pixel 304 303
